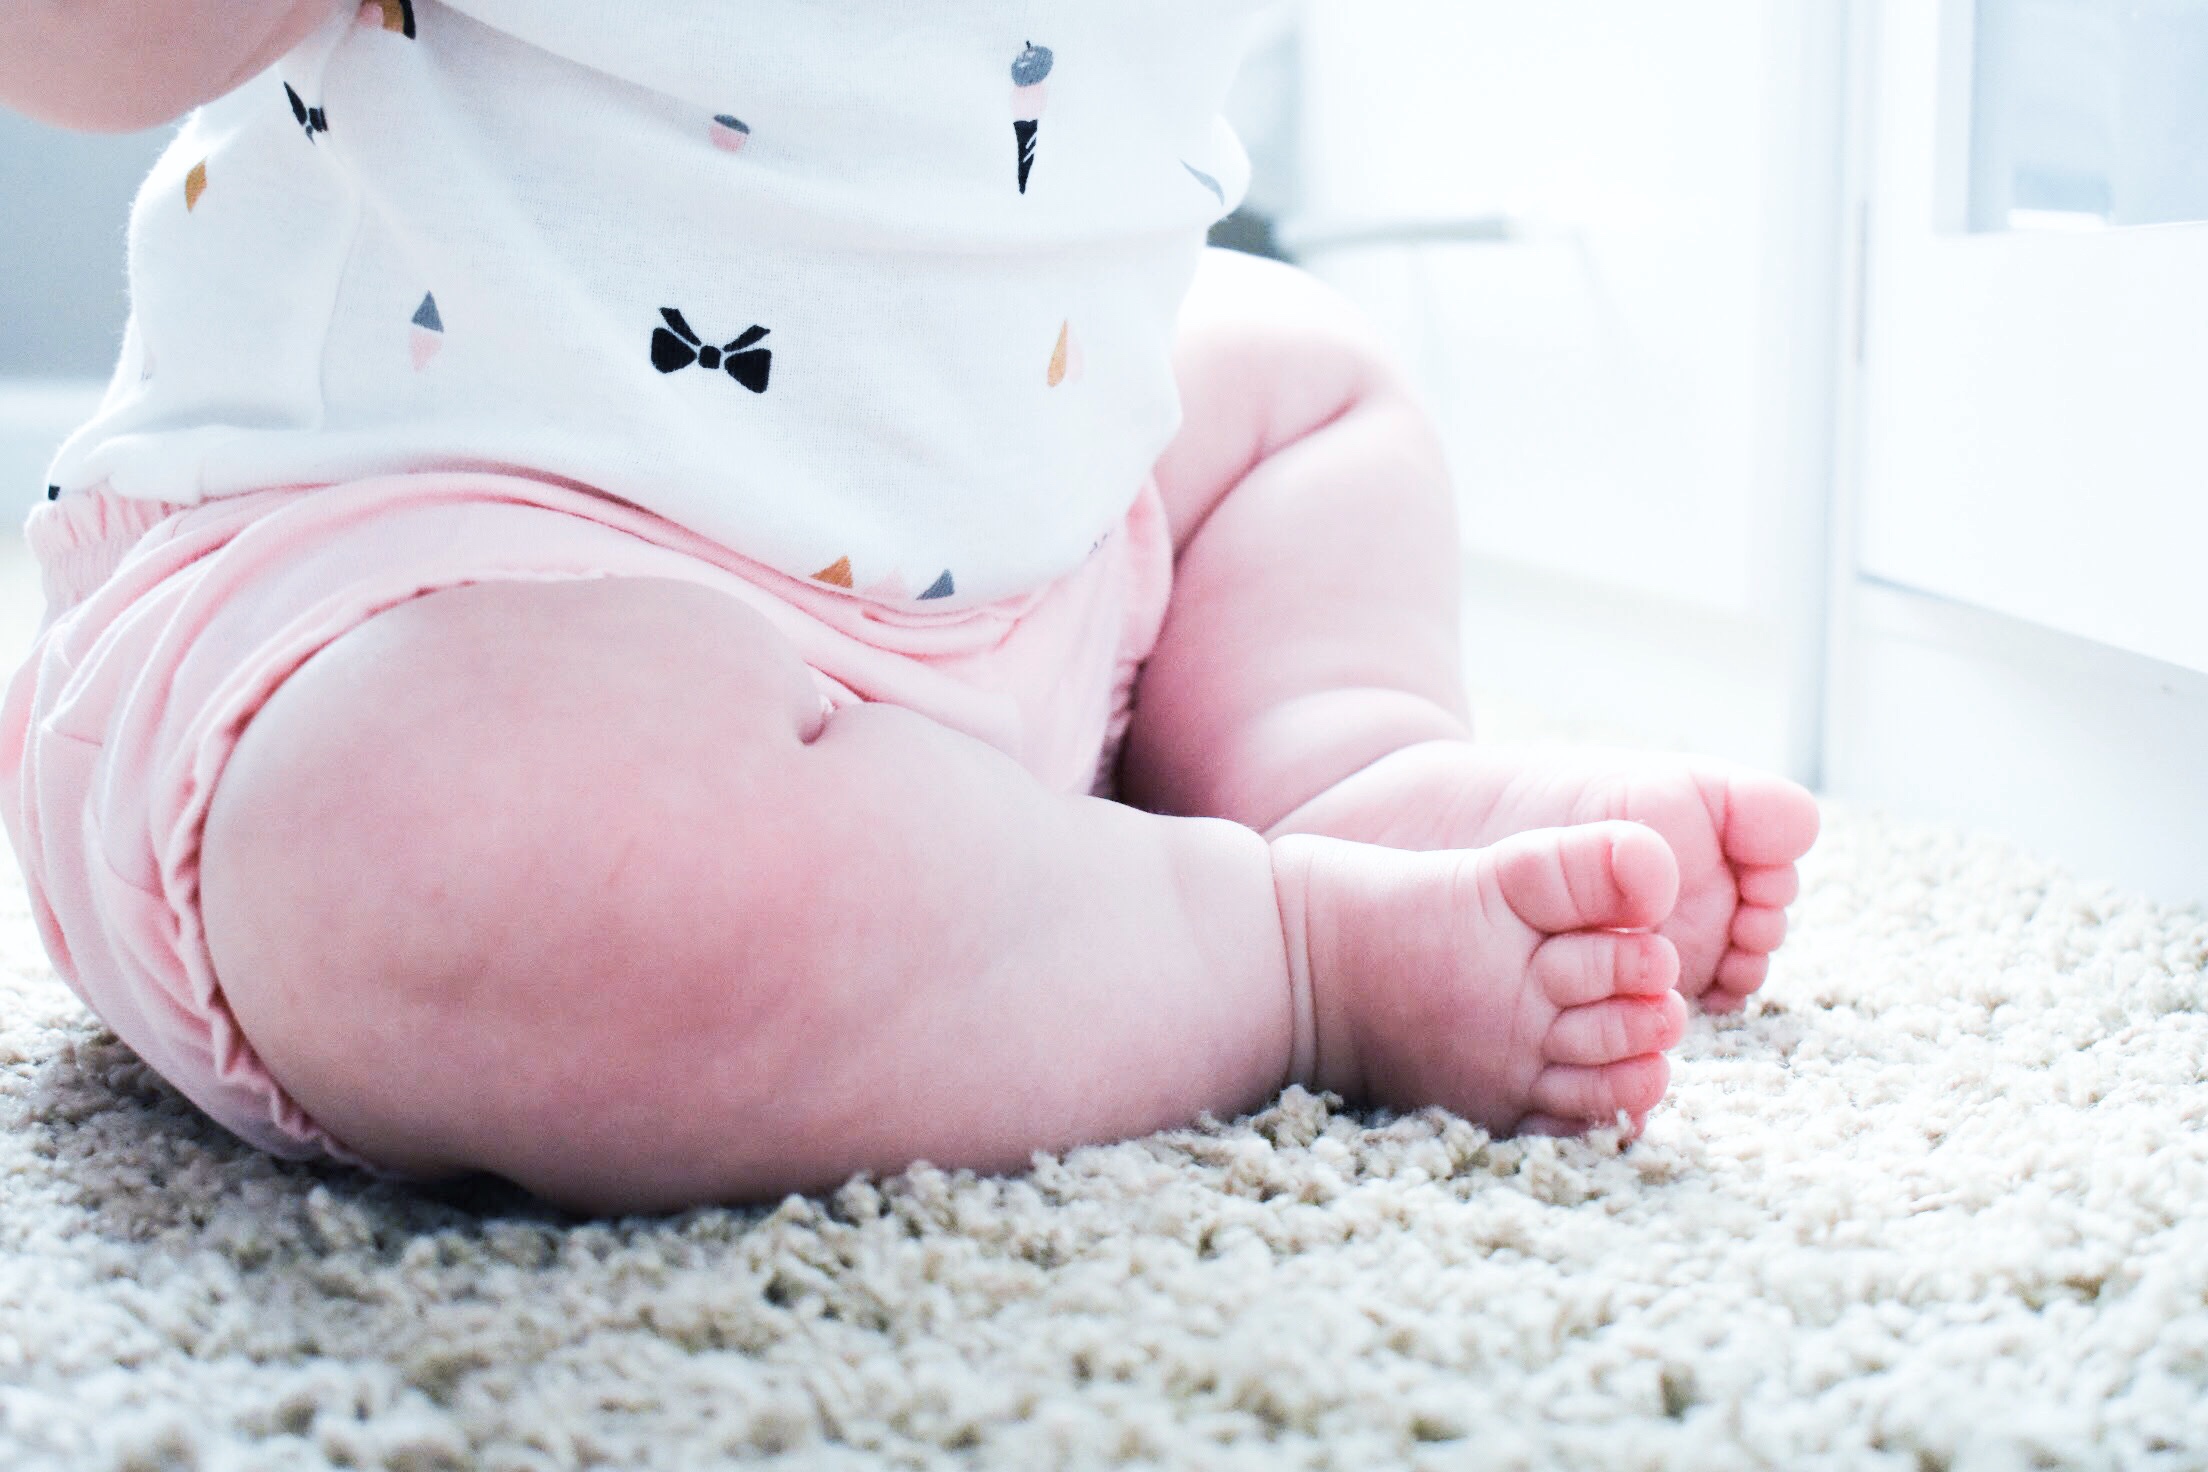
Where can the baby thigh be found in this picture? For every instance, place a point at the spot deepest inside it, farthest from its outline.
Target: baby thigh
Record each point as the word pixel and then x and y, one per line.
pixel 1314 622
pixel 574 882
pixel 467 788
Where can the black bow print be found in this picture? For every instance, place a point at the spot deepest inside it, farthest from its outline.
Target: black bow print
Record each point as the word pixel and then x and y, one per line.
pixel 678 349
pixel 310 118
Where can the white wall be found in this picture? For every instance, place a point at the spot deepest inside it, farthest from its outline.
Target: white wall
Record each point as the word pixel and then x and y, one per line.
pixel 66 200
pixel 1634 372
pixel 1762 453
pixel 2021 628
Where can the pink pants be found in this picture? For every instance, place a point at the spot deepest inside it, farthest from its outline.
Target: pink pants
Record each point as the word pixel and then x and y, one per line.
pixel 167 628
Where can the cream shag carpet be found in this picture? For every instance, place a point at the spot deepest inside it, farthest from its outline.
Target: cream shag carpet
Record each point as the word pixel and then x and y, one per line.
pixel 1939 1200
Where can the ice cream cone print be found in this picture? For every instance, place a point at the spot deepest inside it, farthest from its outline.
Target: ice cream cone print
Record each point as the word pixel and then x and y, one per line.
pixel 429 331
pixel 942 587
pixel 195 184
pixel 837 574
pixel 1218 191
pixel 730 134
pixel 395 16
pixel 1029 72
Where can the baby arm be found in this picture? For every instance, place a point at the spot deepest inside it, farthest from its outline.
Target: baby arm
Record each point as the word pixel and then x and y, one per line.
pixel 112 66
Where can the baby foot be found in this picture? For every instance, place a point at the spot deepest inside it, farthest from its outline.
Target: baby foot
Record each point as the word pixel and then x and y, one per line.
pixel 1517 985
pixel 1735 832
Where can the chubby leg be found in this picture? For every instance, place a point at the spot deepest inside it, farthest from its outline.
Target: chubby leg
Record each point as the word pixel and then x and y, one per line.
pixel 488 889
pixel 1314 622
pixel 1309 677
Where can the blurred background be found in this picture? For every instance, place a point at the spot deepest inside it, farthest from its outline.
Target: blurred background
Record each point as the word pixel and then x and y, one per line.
pixel 1822 379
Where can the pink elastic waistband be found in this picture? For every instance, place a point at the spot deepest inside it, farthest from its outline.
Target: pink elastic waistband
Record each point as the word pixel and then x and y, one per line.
pixel 80 541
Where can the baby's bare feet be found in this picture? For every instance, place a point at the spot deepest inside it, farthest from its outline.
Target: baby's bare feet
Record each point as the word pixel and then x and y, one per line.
pixel 1519 985
pixel 1735 832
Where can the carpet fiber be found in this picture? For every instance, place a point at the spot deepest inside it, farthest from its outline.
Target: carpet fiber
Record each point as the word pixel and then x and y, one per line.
pixel 1939 1200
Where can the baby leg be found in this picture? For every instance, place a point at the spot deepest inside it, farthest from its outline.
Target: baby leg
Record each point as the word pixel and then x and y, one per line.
pixel 486 890
pixel 1309 677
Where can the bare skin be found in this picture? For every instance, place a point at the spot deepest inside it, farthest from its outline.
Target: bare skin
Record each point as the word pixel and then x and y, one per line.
pixel 1735 833
pixel 761 950
pixel 1319 544
pixel 764 950
pixel 1542 950
pixel 113 66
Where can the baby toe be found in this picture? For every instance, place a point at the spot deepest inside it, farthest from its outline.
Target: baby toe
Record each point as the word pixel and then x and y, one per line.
pixel 1570 1091
pixel 1738 974
pixel 1768 820
pixel 1758 930
pixel 1622 1027
pixel 1595 876
pixel 1773 886
pixel 1574 970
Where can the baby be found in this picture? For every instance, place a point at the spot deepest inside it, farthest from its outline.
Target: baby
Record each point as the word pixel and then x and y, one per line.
pixel 675 602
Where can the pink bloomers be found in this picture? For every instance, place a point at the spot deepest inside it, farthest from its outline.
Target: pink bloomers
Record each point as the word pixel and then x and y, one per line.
pixel 168 627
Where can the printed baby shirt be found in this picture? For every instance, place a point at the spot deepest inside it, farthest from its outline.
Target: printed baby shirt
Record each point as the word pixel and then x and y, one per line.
pixel 880 295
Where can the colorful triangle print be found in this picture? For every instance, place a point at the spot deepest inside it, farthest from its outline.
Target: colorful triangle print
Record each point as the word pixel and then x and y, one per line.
pixel 836 574
pixel 429 331
pixel 730 134
pixel 942 587
pixel 1065 359
pixel 395 16
pixel 195 184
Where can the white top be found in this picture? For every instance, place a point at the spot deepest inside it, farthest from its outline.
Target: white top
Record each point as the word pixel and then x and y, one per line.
pixel 874 293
